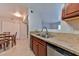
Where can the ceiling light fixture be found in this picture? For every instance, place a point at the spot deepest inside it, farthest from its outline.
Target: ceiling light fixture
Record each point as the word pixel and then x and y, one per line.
pixel 17 14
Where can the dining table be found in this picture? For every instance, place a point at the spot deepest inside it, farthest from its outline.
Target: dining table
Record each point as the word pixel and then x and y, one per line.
pixel 5 40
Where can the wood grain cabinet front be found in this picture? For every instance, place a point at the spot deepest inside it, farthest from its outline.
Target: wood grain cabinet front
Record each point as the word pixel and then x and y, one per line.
pixel 35 47
pixel 38 46
pixel 42 50
pixel 70 10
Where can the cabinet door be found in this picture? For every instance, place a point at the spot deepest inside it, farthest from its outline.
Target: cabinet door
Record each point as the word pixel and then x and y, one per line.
pixel 35 47
pixel 70 10
pixel 42 51
pixel 38 46
pixel 72 7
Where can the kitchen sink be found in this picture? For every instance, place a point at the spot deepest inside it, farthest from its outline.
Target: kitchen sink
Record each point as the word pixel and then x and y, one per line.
pixel 45 36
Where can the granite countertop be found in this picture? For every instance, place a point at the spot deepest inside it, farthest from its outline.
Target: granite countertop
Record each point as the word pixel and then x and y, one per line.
pixel 67 41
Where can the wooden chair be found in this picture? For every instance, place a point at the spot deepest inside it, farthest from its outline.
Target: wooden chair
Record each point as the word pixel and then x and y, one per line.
pixel 14 38
pixel 2 41
pixel 0 46
pixel 7 33
pixel 7 38
pixel 10 38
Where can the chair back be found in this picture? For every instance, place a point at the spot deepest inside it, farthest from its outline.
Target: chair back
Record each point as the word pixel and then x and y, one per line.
pixel 14 38
pixel 2 35
pixel 7 33
pixel 15 35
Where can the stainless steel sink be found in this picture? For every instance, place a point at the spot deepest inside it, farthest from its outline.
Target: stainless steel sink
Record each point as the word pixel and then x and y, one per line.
pixel 45 36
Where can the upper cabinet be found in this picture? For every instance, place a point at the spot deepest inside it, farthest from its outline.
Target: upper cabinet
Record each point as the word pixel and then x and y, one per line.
pixel 70 10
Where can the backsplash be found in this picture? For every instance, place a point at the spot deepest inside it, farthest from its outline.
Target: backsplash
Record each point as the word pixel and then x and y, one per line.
pixel 74 23
pixel 71 25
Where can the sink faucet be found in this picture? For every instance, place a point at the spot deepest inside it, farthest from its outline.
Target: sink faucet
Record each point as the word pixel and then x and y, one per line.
pixel 46 32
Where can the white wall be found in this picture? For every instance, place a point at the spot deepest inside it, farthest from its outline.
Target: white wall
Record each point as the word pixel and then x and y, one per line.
pixel 23 30
pixel 9 22
pixel 9 25
pixel 13 25
pixel 48 13
pixel 43 13
pixel 34 20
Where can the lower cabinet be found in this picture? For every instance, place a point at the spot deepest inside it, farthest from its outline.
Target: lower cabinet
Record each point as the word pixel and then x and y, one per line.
pixel 38 46
pixel 35 47
pixel 42 50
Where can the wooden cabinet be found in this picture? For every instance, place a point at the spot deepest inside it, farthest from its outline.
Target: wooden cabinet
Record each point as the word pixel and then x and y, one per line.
pixel 70 10
pixel 42 50
pixel 35 47
pixel 38 46
pixel 31 46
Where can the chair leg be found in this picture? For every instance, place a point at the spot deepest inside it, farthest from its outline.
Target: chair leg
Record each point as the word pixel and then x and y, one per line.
pixel 4 46
pixel 15 42
pixel 12 43
pixel 7 43
pixel 0 46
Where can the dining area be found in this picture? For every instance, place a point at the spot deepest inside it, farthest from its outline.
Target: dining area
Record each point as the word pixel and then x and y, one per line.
pixel 10 45
pixel 7 40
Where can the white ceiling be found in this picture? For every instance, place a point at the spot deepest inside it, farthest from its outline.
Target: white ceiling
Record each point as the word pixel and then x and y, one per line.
pixel 8 9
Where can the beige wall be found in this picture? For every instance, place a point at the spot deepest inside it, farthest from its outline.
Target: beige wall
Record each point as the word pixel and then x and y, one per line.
pixel 23 30
pixel 13 25
pixel 10 27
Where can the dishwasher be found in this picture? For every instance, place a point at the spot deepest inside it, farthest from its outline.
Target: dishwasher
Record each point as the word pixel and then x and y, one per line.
pixel 53 50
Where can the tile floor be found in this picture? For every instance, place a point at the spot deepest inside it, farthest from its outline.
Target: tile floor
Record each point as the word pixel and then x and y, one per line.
pixel 22 48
